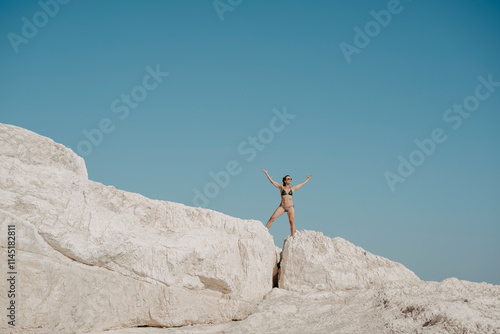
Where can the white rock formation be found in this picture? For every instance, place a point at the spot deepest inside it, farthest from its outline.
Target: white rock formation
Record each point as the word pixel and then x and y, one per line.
pixel 450 306
pixel 363 305
pixel 92 257
pixel 312 262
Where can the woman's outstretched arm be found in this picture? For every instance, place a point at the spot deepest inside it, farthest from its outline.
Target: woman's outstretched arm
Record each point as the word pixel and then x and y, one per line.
pixel 298 186
pixel 276 184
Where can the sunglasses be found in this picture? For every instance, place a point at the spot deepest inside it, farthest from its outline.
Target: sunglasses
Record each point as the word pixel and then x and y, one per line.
pixel 288 178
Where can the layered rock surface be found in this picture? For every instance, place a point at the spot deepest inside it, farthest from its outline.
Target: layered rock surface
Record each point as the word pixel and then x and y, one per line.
pixel 92 257
pixel 360 303
pixel 95 259
pixel 314 262
pixel 450 306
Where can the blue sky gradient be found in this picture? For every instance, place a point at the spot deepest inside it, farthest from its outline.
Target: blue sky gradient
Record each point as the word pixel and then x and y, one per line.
pixel 353 117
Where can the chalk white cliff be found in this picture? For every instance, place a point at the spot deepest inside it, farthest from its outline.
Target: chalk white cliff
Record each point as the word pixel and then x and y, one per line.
pixel 91 258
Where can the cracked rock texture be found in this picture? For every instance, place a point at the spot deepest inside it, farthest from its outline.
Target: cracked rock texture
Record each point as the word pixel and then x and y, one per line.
pixel 450 306
pixel 360 303
pixel 319 263
pixel 95 259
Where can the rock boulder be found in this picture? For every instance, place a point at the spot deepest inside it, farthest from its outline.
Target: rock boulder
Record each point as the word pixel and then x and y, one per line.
pixel 312 262
pixel 93 257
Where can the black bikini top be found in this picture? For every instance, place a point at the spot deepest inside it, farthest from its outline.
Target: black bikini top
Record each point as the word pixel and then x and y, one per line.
pixel 289 193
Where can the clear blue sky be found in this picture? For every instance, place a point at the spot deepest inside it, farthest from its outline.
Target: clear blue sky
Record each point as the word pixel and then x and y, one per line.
pixel 353 120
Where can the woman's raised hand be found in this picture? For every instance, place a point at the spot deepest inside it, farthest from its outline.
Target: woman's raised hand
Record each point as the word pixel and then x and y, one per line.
pixel 264 170
pixel 309 176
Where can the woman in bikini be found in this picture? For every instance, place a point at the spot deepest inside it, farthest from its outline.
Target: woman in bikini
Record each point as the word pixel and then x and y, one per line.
pixel 286 204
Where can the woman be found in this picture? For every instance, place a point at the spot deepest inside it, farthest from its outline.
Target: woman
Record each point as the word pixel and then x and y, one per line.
pixel 286 204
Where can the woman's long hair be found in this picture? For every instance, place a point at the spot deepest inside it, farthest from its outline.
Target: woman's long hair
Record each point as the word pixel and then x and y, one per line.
pixel 284 177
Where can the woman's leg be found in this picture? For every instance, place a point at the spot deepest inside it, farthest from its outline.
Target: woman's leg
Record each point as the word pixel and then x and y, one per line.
pixel 279 211
pixel 291 218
